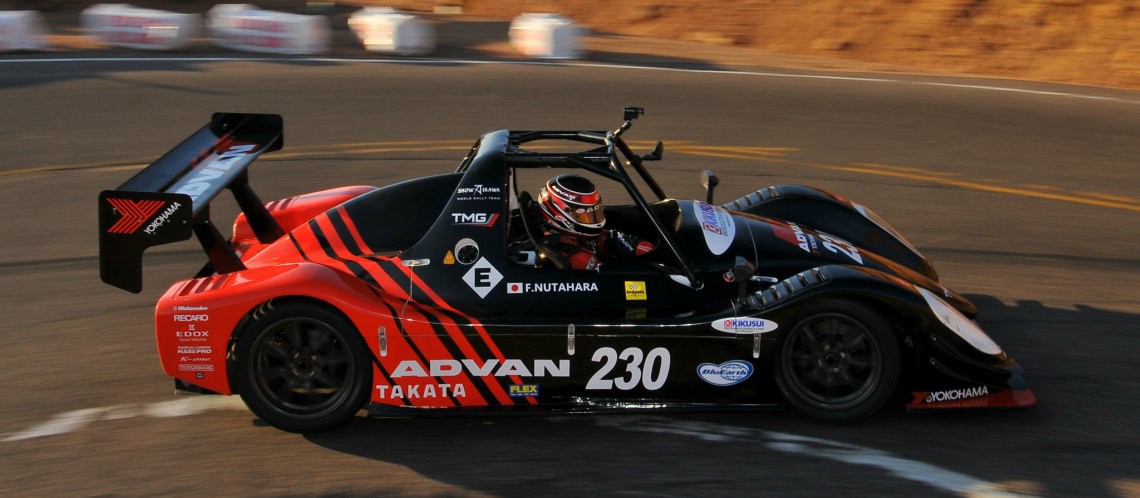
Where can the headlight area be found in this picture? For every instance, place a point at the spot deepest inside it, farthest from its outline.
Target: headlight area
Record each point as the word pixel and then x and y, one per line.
pixel 959 324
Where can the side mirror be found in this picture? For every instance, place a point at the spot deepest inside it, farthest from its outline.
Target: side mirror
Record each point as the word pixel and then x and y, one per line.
pixel 631 113
pixel 655 154
pixel 742 272
pixel 709 181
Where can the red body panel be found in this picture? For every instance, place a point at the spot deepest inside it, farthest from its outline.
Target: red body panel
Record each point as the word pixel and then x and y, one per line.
pixel 196 319
pixel 291 212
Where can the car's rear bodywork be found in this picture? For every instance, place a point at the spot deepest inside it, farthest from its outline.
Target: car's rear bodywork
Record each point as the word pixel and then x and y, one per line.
pixel 452 316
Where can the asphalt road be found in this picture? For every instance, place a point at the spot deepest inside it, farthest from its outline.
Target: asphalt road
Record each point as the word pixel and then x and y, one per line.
pixel 1026 202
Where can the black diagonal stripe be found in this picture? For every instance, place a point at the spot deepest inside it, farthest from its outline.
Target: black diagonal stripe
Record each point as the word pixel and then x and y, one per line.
pixel 321 239
pixel 355 267
pixel 342 231
pixel 393 272
pixel 416 350
pixel 467 328
pixel 298 246
pixel 457 353
pixel 376 354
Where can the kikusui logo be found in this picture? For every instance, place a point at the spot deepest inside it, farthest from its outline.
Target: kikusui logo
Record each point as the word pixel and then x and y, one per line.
pixel 744 325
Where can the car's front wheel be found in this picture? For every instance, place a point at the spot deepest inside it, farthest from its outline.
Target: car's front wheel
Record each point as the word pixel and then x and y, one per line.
pixel 302 367
pixel 838 363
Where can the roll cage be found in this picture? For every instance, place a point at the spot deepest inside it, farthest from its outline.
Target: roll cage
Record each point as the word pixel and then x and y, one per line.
pixel 603 160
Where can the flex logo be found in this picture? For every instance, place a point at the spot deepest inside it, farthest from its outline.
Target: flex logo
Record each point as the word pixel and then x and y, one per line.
pixel 135 213
pixel 482 220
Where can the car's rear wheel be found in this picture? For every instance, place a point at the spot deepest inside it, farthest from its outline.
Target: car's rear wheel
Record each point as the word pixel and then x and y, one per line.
pixel 302 368
pixel 839 362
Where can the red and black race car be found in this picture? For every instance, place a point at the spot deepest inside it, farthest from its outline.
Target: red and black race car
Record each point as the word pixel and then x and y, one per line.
pixel 441 292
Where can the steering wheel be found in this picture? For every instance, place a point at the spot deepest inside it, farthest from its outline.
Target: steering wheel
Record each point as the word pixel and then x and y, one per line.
pixel 528 212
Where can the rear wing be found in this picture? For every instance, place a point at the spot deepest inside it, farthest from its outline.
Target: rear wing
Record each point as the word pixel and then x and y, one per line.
pixel 169 200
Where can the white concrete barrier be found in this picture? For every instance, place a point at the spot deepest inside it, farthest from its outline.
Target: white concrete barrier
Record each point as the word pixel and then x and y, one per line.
pixel 384 29
pixel 248 28
pixel 123 25
pixel 22 30
pixel 545 36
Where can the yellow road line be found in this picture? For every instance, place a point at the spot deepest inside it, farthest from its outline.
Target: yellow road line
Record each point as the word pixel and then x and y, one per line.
pixel 765 154
pixel 985 187
pixel 907 169
pixel 1120 198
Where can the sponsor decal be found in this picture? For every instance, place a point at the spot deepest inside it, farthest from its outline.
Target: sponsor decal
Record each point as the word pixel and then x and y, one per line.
pixel 718 226
pixel 744 325
pixel 551 287
pixel 479 193
pixel 795 235
pixel 195 367
pixel 956 394
pixel 522 390
pixel 207 172
pixel 728 373
pixel 192 335
pixel 492 367
pixel 194 359
pixel 636 313
pixel 426 391
pixel 191 318
pixel 449 258
pixel 466 251
pixel 195 350
pixel 134 214
pixel 191 308
pixel 635 291
pixel 840 246
pixel 482 220
pixel 482 277
pixel 162 218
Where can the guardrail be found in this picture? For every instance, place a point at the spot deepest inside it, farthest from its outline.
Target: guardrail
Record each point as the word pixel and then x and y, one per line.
pixel 248 28
pixel 122 25
pixel 22 30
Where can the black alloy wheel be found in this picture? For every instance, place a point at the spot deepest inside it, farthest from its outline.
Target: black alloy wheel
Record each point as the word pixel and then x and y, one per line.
pixel 302 368
pixel 838 363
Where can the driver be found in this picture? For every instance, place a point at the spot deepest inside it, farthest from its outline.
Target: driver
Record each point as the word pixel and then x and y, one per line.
pixel 573 216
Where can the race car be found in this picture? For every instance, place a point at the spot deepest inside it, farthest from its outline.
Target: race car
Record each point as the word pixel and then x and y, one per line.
pixel 442 293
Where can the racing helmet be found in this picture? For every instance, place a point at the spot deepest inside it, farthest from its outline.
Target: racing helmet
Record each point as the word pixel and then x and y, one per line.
pixel 572 205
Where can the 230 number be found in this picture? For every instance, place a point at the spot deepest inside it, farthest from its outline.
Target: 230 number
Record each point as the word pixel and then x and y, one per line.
pixel 651 374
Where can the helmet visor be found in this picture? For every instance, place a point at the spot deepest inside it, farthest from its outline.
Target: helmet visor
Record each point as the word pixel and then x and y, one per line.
pixel 588 216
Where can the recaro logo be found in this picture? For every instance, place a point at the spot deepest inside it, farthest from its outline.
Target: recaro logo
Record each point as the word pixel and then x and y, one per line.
pixel 134 214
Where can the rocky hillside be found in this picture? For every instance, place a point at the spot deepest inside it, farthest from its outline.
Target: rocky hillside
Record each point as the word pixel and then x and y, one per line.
pixel 1093 42
pixel 1074 41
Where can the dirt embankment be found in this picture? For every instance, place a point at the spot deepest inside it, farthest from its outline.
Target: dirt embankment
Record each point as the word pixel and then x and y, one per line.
pixel 1073 41
pixel 1093 42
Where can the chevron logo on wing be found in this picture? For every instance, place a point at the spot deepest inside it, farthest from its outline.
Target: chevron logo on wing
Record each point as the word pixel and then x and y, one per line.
pixel 134 214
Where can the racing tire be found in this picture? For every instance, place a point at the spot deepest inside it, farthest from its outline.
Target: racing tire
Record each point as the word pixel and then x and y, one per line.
pixel 302 368
pixel 839 362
